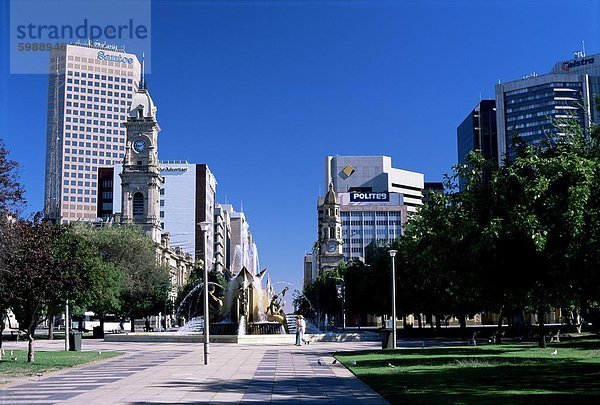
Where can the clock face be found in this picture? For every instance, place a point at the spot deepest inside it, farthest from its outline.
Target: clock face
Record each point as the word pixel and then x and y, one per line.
pixel 139 146
pixel 331 246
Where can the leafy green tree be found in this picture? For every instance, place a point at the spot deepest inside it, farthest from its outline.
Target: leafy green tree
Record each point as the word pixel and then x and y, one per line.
pixel 47 267
pixel 144 283
pixel 11 199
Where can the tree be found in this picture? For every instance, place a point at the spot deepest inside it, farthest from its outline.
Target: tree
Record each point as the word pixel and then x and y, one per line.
pixel 11 198
pixel 47 267
pixel 145 282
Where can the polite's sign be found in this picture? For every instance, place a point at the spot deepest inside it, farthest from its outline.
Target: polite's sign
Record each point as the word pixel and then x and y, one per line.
pixel 357 196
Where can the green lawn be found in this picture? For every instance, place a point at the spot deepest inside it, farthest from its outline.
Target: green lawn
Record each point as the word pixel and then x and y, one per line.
pixel 507 373
pixel 45 362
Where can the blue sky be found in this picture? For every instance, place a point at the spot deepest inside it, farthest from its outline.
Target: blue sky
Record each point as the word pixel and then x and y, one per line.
pixel 263 91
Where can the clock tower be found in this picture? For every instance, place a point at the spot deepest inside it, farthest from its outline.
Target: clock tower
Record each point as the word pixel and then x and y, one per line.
pixel 141 178
pixel 330 232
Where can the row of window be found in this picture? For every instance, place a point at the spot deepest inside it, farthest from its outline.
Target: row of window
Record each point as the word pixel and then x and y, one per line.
pixel 370 214
pixel 98 92
pixel 94 145
pixel 369 222
pixel 91 160
pixel 98 77
pixel 540 87
pixel 79 199
pixel 70 127
pixel 97 99
pixel 101 138
pixel 101 107
pixel 100 84
pixel 96 115
pixel 79 183
pixel 93 153
pixel 78 191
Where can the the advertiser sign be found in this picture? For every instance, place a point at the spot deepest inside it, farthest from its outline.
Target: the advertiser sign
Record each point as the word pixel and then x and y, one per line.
pixel 357 196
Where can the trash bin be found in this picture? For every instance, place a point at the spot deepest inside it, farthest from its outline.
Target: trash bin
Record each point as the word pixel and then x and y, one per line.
pixel 97 332
pixel 75 341
pixel 386 339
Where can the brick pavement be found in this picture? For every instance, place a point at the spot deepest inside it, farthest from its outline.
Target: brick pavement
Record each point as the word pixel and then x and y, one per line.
pixel 174 373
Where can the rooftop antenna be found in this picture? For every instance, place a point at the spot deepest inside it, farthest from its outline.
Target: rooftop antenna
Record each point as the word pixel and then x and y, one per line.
pixel 583 47
pixel 479 95
pixel 143 81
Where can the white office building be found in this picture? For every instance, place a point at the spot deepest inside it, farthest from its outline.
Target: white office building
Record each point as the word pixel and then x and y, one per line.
pixel 375 200
pixel 187 198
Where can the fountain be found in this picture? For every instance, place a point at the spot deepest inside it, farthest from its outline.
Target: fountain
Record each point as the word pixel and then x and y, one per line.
pixel 247 313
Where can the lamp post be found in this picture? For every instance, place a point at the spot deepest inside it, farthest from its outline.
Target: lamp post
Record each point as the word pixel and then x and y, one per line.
pixel 205 226
pixel 343 286
pixel 392 255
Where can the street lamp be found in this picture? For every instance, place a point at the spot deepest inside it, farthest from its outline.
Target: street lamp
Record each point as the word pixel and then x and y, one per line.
pixel 205 226
pixel 392 255
pixel 343 287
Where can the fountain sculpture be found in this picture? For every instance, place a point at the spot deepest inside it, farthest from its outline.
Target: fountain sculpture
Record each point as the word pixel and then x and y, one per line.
pixel 247 308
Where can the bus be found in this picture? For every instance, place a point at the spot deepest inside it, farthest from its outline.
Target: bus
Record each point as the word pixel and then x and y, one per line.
pixel 89 320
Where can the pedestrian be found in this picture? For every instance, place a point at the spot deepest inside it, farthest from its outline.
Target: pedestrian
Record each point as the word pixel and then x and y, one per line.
pixel 147 325
pixel 300 329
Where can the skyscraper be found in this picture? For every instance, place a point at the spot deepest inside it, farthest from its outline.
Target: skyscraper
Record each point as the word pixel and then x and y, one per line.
pixel 374 200
pixel 478 132
pixel 90 89
pixel 531 108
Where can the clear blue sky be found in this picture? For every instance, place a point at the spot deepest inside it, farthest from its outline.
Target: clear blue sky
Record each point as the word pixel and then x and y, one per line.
pixel 263 91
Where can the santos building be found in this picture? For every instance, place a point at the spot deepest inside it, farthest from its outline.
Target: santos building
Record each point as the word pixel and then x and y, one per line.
pixel 89 94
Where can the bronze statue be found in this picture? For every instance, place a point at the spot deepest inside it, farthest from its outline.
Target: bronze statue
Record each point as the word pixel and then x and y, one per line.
pixel 275 311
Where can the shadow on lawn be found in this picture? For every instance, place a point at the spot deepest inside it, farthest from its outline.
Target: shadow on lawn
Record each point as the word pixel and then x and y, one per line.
pixel 544 382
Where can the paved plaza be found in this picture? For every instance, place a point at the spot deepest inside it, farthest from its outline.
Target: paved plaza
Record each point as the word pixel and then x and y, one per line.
pixel 174 373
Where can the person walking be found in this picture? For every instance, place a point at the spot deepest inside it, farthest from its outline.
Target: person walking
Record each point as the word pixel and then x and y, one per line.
pixel 300 329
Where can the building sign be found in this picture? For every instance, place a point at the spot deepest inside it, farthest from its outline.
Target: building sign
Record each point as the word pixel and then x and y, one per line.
pixel 357 196
pixel 114 58
pixel 566 66
pixel 173 169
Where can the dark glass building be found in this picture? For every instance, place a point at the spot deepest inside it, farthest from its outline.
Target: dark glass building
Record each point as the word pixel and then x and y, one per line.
pixel 478 132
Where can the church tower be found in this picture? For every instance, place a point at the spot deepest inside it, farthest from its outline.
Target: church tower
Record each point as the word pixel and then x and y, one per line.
pixel 141 178
pixel 330 232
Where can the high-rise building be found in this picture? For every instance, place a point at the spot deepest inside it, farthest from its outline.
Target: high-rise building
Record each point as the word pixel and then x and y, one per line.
pixel 243 250
pixel 478 132
pixel 374 174
pixel 187 198
pixel 374 200
pixel 222 239
pixel 89 93
pixel 531 108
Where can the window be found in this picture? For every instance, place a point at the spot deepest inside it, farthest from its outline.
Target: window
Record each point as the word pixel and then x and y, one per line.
pixel 138 205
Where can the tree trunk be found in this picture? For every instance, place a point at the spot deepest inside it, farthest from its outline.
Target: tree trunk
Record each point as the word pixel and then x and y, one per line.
pixel 102 325
pixel 462 319
pixel 418 316
pixel 30 349
pixel 132 324
pixel 1 332
pixel 542 342
pixel 499 331
pixel 50 327
pixel 438 323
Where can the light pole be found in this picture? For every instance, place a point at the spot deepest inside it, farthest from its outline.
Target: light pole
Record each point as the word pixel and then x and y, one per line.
pixel 205 226
pixel 343 286
pixel 392 255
